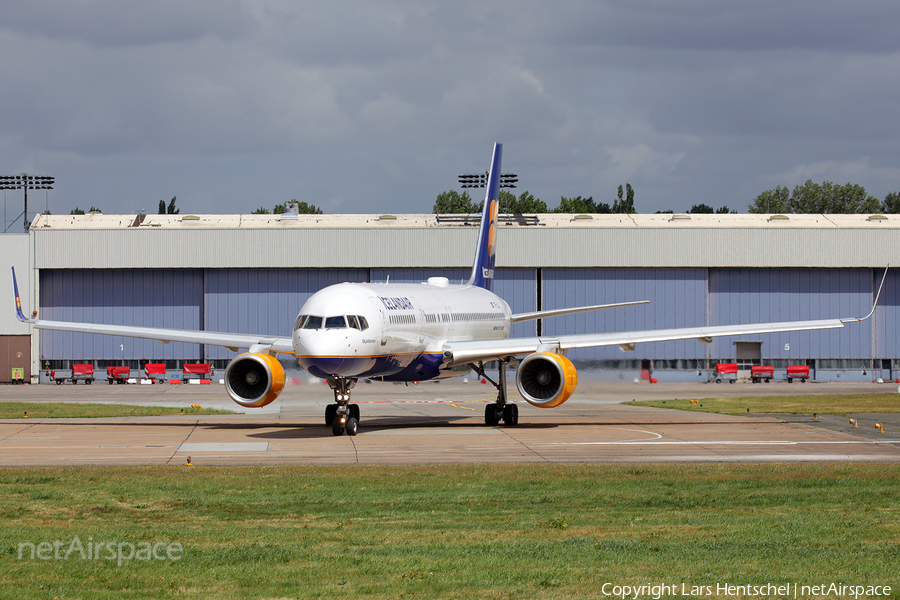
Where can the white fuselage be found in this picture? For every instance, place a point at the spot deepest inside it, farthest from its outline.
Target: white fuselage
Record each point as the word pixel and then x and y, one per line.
pixel 393 331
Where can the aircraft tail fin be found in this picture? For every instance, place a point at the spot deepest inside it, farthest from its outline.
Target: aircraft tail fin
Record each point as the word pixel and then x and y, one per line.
pixel 19 314
pixel 483 268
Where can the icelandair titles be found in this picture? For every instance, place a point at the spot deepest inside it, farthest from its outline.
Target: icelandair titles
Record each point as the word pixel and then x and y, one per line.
pixel 396 303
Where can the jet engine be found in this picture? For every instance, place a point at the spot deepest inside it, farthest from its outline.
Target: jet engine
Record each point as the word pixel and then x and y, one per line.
pixel 546 379
pixel 254 380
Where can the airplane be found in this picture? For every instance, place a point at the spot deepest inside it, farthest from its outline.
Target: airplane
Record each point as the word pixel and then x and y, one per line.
pixel 419 332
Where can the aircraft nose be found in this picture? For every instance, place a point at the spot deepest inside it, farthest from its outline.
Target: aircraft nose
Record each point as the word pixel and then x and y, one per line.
pixel 322 354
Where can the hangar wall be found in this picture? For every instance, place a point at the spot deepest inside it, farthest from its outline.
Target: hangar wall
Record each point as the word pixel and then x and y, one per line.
pixel 247 273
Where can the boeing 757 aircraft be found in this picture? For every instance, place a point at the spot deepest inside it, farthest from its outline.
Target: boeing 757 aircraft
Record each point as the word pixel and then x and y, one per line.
pixel 417 332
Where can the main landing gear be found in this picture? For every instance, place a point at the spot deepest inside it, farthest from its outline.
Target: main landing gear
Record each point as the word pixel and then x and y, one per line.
pixel 501 410
pixel 342 416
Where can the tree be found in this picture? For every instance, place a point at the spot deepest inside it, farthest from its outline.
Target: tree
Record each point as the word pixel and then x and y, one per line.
pixel 162 207
pixel 892 203
pixel 701 209
pixel 307 209
pixel 78 211
pixel 279 209
pixel 452 202
pixel 171 208
pixel 771 201
pixel 725 211
pixel 624 205
pixel 576 205
pixel 262 210
pixel 524 204
pixel 817 198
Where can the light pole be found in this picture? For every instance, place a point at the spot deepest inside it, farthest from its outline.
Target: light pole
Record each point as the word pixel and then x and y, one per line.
pixel 25 182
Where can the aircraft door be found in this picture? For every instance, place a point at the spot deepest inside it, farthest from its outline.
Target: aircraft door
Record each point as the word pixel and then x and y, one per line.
pixel 379 308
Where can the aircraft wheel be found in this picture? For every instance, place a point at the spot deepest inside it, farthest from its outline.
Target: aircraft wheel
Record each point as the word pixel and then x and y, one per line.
pixel 354 412
pixel 330 412
pixel 511 414
pixel 491 415
pixel 352 426
pixel 337 428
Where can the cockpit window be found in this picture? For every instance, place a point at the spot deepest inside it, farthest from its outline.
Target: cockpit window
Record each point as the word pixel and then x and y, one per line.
pixel 301 319
pixel 312 322
pixel 352 322
pixel 363 324
pixel 335 323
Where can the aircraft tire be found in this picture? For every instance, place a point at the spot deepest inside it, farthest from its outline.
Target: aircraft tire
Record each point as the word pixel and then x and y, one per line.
pixel 330 413
pixel 354 412
pixel 337 428
pixel 511 414
pixel 352 426
pixel 491 415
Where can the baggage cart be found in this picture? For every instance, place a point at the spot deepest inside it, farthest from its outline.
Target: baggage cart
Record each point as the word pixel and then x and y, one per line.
pixel 83 372
pixel 117 374
pixel 800 372
pixel 155 372
pixel 202 372
pixel 727 371
pixel 761 373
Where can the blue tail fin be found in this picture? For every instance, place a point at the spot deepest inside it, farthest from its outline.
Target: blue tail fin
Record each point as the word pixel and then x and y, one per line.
pixel 19 314
pixel 483 269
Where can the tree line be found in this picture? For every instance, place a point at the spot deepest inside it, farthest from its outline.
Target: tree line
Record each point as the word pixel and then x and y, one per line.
pixel 809 198
pixel 452 202
pixel 823 198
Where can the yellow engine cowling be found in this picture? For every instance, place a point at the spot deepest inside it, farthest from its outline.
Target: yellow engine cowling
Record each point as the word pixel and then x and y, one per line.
pixel 546 379
pixel 254 380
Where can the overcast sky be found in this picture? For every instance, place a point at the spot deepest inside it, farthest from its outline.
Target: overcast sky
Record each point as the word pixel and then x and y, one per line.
pixel 376 106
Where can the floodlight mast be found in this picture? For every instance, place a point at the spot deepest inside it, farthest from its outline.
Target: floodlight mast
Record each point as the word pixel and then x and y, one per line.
pixel 25 182
pixel 479 180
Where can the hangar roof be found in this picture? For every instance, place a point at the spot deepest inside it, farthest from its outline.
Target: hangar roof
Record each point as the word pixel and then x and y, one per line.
pixel 214 221
pixel 97 241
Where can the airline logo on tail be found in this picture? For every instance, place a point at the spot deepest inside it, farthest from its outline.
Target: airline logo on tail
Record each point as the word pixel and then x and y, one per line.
pixel 483 269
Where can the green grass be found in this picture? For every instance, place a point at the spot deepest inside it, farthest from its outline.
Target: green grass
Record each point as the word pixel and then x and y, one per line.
pixel 802 405
pixel 71 410
pixel 474 531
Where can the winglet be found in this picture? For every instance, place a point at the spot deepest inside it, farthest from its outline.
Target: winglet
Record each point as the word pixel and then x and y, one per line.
pixel 483 269
pixel 874 304
pixel 19 314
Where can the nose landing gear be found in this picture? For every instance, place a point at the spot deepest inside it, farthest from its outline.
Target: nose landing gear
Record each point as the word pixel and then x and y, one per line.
pixel 342 416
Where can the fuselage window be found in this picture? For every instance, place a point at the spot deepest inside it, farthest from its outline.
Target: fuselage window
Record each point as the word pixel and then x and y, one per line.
pixel 363 324
pixel 352 322
pixel 312 322
pixel 335 322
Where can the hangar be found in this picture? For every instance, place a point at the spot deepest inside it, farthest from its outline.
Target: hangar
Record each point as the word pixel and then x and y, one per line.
pixel 251 273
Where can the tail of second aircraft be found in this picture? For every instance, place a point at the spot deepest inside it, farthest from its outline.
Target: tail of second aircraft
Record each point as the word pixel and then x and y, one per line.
pixel 483 268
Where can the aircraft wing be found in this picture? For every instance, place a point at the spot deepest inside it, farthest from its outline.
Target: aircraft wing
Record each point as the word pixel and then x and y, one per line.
pixel 464 352
pixel 543 314
pixel 232 341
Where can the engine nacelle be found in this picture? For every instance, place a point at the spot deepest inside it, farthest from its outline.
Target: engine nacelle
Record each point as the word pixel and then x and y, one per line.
pixel 546 379
pixel 254 380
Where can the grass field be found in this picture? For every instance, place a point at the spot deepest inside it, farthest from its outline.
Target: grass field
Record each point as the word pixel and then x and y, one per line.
pixel 71 410
pixel 803 405
pixel 489 531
